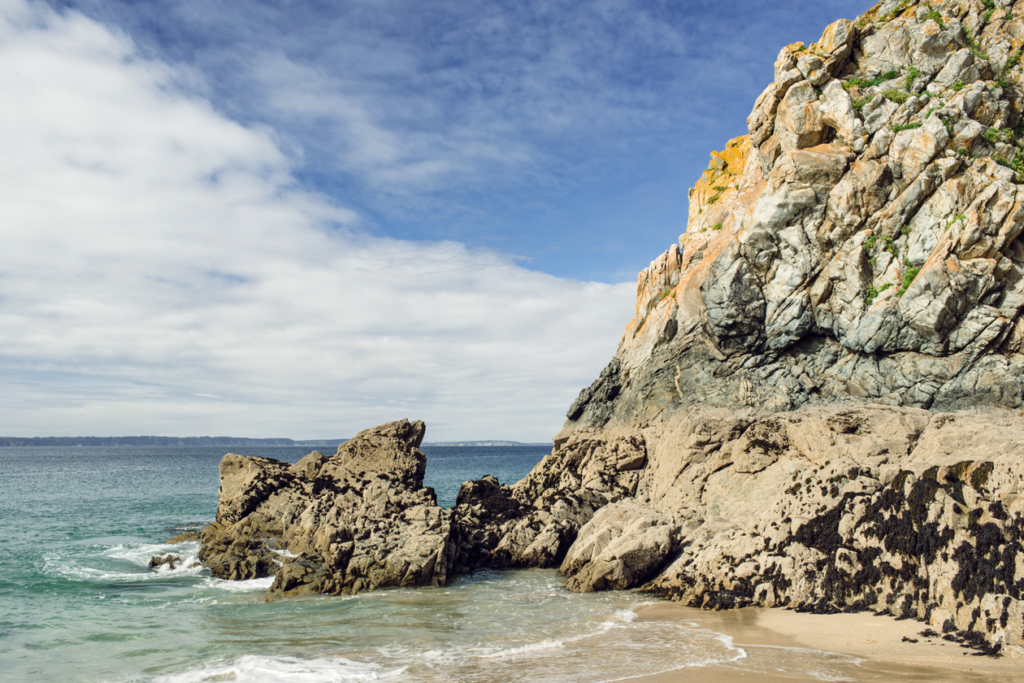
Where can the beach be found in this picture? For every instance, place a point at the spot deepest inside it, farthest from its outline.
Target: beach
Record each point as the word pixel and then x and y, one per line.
pixel 880 643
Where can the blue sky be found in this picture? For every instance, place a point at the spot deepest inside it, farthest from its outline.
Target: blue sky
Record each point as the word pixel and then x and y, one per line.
pixel 565 134
pixel 301 219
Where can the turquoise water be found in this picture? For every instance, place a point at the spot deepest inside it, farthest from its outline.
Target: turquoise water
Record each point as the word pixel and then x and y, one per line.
pixel 78 603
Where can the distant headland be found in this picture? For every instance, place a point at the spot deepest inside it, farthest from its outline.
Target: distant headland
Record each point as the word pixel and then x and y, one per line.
pixel 162 441
pixel 218 441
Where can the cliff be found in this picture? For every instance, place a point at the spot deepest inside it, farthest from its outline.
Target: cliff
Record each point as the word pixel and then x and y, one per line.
pixel 859 242
pixel 816 403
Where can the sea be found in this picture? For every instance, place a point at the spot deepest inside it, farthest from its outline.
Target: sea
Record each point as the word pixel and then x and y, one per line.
pixel 78 602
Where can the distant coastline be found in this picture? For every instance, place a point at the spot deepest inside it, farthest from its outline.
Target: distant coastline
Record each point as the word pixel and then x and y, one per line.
pixel 485 444
pixel 164 441
pixel 219 441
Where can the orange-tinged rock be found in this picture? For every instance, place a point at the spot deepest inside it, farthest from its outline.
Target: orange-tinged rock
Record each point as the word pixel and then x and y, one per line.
pixel 712 196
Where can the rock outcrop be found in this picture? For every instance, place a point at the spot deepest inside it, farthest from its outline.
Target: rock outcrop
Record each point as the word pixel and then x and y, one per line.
pixel 358 520
pixel 816 403
pixel 623 545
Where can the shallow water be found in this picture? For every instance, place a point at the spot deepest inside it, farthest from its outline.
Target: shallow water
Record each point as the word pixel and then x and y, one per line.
pixel 78 603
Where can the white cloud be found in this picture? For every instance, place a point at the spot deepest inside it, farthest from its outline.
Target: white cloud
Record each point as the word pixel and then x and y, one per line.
pixel 162 272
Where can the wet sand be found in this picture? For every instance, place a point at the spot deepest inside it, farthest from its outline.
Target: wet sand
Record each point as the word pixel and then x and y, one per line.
pixel 876 643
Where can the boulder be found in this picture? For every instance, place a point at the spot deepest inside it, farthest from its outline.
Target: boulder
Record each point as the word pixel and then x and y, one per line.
pixel 959 69
pixel 799 123
pixel 623 546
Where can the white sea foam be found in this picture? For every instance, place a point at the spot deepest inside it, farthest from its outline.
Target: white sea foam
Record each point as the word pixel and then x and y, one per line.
pixel 625 615
pixel 852 659
pixel 733 653
pixel 828 676
pixel 821 664
pixel 259 669
pixel 552 644
pixel 141 554
pixel 124 562
pixel 111 563
pixel 246 586
pixel 631 648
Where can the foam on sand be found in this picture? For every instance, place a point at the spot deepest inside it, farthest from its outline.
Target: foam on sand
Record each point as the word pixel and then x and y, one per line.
pixel 258 669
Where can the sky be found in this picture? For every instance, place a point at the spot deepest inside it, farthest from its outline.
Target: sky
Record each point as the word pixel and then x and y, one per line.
pixel 303 219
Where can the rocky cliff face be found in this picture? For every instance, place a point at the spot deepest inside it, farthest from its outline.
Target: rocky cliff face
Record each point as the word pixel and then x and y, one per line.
pixel 860 241
pixel 816 402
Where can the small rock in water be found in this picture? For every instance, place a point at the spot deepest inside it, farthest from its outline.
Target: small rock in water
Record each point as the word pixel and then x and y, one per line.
pixel 170 560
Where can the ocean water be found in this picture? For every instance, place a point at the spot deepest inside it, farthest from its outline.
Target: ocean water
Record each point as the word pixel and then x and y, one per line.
pixel 78 603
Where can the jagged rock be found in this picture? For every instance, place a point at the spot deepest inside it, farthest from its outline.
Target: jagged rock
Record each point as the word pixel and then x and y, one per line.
pixel 534 522
pixel 358 520
pixel 483 512
pixel 798 122
pixel 959 68
pixel 160 560
pixel 856 228
pixel 877 113
pixel 838 113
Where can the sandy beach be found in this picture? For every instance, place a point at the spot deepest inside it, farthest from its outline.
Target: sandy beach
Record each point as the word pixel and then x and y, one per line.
pixel 883 647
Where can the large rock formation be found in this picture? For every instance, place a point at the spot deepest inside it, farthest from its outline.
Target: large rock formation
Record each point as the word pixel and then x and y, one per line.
pixel 816 402
pixel 358 520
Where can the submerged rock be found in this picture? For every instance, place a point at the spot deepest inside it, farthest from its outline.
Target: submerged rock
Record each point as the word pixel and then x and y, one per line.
pixel 358 520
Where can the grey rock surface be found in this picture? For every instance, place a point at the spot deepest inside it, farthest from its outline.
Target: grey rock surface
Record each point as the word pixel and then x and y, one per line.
pixel 869 248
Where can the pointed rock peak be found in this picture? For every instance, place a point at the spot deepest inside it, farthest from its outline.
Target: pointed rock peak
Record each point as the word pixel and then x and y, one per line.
pixel 410 433
pixel 391 450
